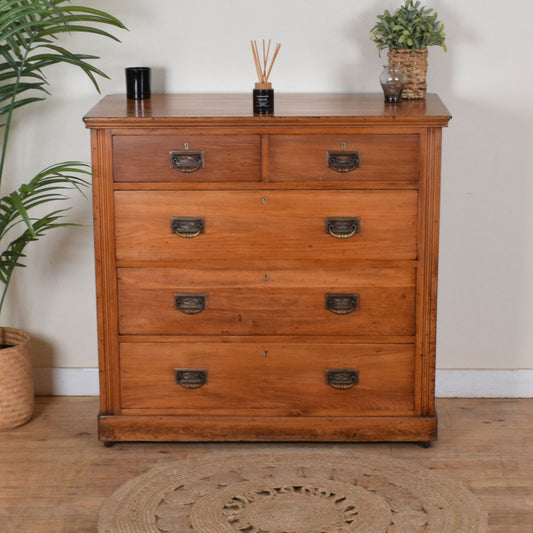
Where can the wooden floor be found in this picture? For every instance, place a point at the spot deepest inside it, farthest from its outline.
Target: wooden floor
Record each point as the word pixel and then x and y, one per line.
pixel 55 475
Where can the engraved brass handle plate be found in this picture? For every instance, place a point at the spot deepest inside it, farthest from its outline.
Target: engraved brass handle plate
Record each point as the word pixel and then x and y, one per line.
pixel 190 304
pixel 342 304
pixel 342 227
pixel 343 161
pixel 186 161
pixel 342 378
pixel 191 378
pixel 187 227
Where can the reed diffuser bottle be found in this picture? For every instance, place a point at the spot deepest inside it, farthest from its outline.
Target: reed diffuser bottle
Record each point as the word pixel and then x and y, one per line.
pixel 263 98
pixel 263 94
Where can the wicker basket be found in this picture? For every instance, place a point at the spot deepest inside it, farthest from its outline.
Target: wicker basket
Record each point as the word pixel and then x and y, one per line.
pixel 414 63
pixel 16 379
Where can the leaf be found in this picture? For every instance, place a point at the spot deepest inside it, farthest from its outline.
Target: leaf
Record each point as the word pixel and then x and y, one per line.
pixel 410 26
pixel 29 43
pixel 19 103
pixel 21 209
pixel 29 25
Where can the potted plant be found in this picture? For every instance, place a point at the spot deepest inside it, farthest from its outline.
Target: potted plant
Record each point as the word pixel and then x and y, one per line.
pixel 407 33
pixel 29 31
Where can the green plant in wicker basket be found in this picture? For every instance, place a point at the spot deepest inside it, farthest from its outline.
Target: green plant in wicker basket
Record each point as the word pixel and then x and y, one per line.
pixel 29 31
pixel 412 27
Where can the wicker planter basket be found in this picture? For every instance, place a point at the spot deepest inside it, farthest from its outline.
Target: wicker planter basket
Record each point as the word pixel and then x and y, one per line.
pixel 16 379
pixel 414 63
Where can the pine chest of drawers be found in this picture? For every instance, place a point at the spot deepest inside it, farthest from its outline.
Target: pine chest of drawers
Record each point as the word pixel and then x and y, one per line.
pixel 266 278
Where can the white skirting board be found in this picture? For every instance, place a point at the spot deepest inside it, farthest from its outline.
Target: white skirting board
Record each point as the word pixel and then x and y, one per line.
pixel 66 381
pixel 484 383
pixel 449 383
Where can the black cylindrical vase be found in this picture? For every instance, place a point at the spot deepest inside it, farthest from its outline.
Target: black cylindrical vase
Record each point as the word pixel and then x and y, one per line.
pixel 263 101
pixel 138 83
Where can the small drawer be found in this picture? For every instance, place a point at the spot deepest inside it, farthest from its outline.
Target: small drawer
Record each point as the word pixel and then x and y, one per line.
pixel 217 228
pixel 177 301
pixel 186 158
pixel 346 158
pixel 270 378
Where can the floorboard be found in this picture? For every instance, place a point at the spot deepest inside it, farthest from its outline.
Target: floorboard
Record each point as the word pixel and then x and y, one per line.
pixel 55 475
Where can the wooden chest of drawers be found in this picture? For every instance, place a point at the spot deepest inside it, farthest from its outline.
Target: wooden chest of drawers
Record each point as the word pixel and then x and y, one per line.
pixel 266 278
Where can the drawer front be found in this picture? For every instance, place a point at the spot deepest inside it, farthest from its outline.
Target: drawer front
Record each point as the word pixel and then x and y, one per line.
pixel 291 379
pixel 187 158
pixel 259 227
pixel 349 158
pixel 171 301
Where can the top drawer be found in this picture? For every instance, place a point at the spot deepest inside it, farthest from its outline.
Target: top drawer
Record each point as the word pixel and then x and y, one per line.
pixel 187 158
pixel 349 158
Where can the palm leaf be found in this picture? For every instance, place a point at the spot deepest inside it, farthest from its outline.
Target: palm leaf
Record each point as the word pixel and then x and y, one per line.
pixel 47 186
pixel 18 221
pixel 11 256
pixel 29 32
pixel 19 103
pixel 26 30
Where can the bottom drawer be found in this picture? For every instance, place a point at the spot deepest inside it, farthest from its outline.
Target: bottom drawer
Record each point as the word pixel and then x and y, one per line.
pixel 268 379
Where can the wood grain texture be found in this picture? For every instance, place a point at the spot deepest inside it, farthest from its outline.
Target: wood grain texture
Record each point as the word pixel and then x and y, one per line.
pixel 268 379
pixel 265 261
pixel 261 227
pixel 429 212
pixel 55 475
pixel 284 303
pixel 164 110
pixel 106 282
pixel 264 428
pixel 224 158
pixel 382 157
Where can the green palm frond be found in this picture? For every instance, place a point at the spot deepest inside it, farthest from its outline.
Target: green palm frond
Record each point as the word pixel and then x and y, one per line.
pixel 28 35
pixel 29 43
pixel 21 217
pixel 47 186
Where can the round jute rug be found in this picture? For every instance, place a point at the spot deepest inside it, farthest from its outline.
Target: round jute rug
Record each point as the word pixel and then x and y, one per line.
pixel 292 491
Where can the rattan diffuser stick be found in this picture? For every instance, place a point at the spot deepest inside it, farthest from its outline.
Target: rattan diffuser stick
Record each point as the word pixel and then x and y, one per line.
pixel 263 67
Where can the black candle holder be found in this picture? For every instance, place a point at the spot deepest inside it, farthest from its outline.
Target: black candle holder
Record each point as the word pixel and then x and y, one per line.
pixel 138 83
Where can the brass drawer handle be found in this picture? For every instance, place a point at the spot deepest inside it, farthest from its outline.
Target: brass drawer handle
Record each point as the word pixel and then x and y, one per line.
pixel 187 227
pixel 191 378
pixel 342 378
pixel 342 304
pixel 342 227
pixel 186 161
pixel 190 304
pixel 344 161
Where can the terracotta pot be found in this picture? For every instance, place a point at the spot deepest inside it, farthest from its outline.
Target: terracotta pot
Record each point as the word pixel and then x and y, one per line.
pixel 414 64
pixel 16 379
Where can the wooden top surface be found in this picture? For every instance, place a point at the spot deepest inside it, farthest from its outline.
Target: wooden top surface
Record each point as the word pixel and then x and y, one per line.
pixel 225 109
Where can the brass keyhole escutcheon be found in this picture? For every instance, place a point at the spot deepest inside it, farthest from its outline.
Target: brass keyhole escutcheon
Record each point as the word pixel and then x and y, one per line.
pixel 343 146
pixel 186 146
pixel 265 200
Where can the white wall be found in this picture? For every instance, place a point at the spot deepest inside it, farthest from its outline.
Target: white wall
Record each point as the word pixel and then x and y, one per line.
pixel 486 287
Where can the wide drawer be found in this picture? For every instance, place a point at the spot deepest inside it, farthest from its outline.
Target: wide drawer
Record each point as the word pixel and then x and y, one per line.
pixel 285 379
pixel 186 158
pixel 258 227
pixel 356 301
pixel 344 158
